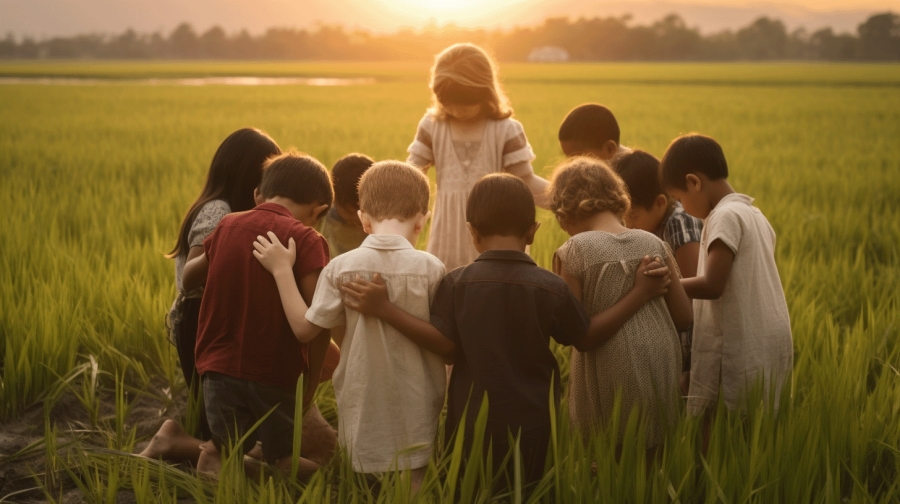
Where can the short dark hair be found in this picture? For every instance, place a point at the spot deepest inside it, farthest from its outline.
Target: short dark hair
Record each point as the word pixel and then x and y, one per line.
pixel 692 153
pixel 500 204
pixel 640 172
pixel 590 125
pixel 345 178
pixel 299 177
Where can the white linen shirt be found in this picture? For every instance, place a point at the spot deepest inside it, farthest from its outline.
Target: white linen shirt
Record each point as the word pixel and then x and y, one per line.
pixel 389 390
pixel 743 338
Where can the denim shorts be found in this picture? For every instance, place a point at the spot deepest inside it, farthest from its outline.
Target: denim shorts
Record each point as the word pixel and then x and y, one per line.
pixel 234 405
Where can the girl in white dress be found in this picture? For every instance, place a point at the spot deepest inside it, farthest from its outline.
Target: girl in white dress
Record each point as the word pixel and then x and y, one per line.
pixel 467 133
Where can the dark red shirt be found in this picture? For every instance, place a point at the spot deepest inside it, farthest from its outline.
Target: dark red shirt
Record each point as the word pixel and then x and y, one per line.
pixel 243 331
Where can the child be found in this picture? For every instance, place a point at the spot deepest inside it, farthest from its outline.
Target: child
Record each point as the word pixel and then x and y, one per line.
pixel 467 133
pixel 742 330
pixel 497 316
pixel 247 355
pixel 389 390
pixel 654 211
pixel 590 130
pixel 341 225
pixel 234 173
pixel 639 357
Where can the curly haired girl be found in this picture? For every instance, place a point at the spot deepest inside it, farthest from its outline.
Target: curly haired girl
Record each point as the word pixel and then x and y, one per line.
pixel 638 357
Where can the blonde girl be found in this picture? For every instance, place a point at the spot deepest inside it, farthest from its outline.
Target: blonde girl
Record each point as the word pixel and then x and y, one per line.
pixel 468 132
pixel 638 355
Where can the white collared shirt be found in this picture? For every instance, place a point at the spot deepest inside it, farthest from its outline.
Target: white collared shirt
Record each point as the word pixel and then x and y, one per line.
pixel 389 390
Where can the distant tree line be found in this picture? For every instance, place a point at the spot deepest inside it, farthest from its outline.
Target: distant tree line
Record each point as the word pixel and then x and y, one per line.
pixel 585 39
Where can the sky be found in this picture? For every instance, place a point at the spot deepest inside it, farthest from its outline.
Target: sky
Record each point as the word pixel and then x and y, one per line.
pixel 47 18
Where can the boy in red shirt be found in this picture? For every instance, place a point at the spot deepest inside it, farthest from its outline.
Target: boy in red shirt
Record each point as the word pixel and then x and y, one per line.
pixel 247 355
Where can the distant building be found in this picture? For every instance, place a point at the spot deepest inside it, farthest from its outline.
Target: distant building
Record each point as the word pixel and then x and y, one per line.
pixel 548 54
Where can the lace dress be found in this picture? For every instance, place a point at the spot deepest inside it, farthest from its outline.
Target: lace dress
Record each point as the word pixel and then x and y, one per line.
pixel 642 361
pixel 458 167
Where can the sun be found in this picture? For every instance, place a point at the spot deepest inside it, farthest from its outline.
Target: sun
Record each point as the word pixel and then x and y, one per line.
pixel 463 12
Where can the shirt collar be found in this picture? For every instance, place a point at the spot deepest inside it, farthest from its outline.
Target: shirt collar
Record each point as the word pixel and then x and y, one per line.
pixel 386 242
pixel 736 198
pixel 505 255
pixel 275 208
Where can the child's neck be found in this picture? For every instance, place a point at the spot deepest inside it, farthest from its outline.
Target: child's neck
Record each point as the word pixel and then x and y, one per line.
pixel 716 190
pixel 603 221
pixel 406 228
pixel 501 242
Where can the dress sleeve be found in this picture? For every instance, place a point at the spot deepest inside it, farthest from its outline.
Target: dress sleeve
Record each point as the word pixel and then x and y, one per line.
pixel 443 311
pixel 421 151
pixel 517 151
pixel 206 221
pixel 568 258
pixel 725 225
pixel 327 308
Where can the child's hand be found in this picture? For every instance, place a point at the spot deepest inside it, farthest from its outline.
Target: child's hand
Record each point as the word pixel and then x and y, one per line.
pixel 272 254
pixel 652 278
pixel 368 298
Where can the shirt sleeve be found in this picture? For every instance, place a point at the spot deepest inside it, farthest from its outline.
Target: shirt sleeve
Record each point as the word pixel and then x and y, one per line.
pixel 682 229
pixel 421 150
pixel 443 312
pixel 570 322
pixel 517 151
pixel 327 308
pixel 206 221
pixel 725 225
pixel 312 253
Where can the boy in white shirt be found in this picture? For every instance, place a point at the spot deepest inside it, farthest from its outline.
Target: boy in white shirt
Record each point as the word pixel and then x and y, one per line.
pixel 742 329
pixel 389 390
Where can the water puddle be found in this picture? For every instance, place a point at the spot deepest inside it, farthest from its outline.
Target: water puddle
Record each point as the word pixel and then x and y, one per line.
pixel 192 81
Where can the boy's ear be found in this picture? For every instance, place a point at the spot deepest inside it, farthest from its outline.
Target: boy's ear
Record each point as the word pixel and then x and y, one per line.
pixel 693 182
pixel 661 201
pixel 365 220
pixel 420 222
pixel 610 149
pixel 529 236
pixel 257 197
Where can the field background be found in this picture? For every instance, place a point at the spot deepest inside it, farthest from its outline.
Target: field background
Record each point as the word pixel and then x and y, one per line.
pixel 96 178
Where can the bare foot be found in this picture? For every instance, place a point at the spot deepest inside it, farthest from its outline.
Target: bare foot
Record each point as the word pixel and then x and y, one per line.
pixel 210 461
pixel 319 438
pixel 256 452
pixel 171 442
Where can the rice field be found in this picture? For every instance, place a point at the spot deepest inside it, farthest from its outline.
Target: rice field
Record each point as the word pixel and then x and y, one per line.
pixel 96 176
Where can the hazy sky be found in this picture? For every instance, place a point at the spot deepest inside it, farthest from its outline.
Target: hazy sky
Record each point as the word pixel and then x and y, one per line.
pixel 42 18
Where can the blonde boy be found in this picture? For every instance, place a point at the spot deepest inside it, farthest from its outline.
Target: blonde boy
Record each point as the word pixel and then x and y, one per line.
pixel 389 389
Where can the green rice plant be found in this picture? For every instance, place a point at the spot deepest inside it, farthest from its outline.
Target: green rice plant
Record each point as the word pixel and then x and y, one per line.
pixel 97 177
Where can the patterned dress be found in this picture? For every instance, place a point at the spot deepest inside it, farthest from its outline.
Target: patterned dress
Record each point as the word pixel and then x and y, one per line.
pixel 458 167
pixel 642 361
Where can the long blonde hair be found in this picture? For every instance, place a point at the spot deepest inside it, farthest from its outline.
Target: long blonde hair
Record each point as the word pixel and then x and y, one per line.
pixel 465 73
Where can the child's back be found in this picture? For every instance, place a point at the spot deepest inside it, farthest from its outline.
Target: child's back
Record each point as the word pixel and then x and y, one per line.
pixel 642 361
pixel 389 391
pixel 747 331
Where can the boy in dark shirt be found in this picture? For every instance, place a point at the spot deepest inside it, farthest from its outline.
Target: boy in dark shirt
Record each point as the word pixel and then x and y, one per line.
pixel 494 319
pixel 591 129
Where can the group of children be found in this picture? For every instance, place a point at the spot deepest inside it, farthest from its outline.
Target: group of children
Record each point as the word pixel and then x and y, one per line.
pixel 265 299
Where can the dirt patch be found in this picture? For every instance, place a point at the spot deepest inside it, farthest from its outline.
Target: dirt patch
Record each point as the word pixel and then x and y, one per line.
pixel 24 450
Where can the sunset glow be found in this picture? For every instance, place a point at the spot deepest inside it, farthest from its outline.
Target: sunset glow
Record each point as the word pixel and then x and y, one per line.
pixel 461 12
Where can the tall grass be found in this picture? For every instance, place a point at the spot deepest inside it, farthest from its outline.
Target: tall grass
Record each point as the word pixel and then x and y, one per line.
pixel 95 180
